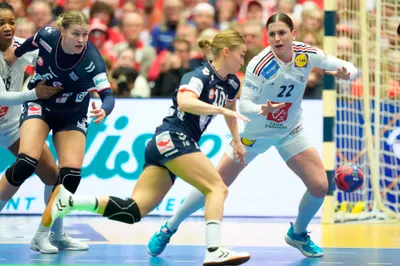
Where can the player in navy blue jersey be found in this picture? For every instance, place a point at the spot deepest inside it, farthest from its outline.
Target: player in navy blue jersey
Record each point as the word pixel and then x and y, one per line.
pixel 174 151
pixel 66 59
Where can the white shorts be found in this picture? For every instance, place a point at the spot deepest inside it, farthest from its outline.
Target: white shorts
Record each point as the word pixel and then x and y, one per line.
pixel 294 142
pixel 10 136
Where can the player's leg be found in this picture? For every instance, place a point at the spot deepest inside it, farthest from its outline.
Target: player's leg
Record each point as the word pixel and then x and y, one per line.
pixel 7 190
pixel 197 170
pixel 70 146
pixel 304 161
pixel 228 169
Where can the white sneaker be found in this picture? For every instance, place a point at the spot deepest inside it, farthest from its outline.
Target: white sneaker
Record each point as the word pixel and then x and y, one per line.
pixel 59 205
pixel 40 242
pixel 65 242
pixel 223 256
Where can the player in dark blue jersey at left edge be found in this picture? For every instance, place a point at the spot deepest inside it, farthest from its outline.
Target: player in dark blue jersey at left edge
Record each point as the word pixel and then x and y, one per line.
pixel 68 60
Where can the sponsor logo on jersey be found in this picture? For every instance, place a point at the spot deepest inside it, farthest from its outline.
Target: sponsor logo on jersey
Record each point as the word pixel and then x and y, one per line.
pixel 301 60
pixel 296 131
pixel 3 110
pixel 211 94
pixel 45 45
pixel 280 114
pixel 234 84
pixel 196 85
pixel 34 109
pixel 81 96
pixel 73 76
pixel 101 81
pixel 57 84
pixel 83 124
pixel 250 85
pixel 40 61
pixel 270 70
pixel 206 71
pixel 164 142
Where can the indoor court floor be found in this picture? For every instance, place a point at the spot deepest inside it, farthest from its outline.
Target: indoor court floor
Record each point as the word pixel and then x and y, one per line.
pixel 112 243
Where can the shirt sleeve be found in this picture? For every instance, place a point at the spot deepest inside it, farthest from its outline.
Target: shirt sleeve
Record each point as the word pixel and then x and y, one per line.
pixel 331 63
pixel 26 47
pixel 193 83
pixel 251 90
pixel 10 98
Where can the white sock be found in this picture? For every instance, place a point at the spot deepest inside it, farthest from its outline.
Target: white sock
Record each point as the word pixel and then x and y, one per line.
pixel 2 204
pixel 85 203
pixel 309 206
pixel 193 202
pixel 47 193
pixel 213 234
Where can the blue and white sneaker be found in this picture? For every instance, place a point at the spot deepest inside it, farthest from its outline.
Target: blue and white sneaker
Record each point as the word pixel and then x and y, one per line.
pixel 303 243
pixel 160 240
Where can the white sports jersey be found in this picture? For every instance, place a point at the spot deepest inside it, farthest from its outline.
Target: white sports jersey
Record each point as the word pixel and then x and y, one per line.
pixel 267 77
pixel 11 81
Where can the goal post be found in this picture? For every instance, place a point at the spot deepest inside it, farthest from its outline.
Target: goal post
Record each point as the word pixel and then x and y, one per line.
pixel 367 111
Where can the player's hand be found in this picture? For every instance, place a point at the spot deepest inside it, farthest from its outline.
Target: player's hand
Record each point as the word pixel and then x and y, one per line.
pixel 44 92
pixel 341 73
pixel 269 107
pixel 9 56
pixel 231 113
pixel 99 113
pixel 239 152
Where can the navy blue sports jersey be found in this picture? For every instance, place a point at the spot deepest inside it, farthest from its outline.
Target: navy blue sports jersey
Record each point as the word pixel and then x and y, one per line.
pixel 84 73
pixel 210 88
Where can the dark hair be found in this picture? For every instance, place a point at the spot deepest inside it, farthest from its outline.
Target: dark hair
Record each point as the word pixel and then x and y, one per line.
pixel 280 17
pixel 7 6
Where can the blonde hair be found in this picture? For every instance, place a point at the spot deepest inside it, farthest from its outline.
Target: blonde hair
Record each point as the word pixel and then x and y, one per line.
pixel 230 39
pixel 75 17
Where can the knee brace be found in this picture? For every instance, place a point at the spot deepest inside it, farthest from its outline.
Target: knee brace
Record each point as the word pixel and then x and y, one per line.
pixel 21 170
pixel 69 178
pixel 125 211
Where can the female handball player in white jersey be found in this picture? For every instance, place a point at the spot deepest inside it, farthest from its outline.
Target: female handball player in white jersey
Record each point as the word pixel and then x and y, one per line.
pixel 276 77
pixel 11 98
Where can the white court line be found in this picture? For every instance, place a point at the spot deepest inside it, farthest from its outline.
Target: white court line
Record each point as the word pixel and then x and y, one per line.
pixel 185 261
pixel 89 260
pixel 3 259
pixel 379 263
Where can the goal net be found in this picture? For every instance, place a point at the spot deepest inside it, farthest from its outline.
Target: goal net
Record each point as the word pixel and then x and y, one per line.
pixel 367 125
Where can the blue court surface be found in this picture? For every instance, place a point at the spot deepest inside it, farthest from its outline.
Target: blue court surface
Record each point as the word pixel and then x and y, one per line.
pixel 18 254
pixel 112 243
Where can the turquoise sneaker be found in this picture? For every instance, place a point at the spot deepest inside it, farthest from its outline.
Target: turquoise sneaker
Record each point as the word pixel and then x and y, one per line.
pixel 303 243
pixel 159 240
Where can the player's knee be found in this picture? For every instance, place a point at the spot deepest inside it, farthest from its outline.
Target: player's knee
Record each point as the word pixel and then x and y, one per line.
pixel 126 211
pixel 70 178
pixel 220 188
pixel 21 170
pixel 319 188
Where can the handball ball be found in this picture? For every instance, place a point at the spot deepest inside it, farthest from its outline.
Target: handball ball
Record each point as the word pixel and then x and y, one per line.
pixel 349 178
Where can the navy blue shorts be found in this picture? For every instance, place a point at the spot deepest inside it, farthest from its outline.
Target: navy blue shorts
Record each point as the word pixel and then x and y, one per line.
pixel 55 121
pixel 167 145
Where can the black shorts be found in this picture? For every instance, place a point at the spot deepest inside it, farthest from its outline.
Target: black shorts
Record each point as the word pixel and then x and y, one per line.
pixel 54 120
pixel 167 145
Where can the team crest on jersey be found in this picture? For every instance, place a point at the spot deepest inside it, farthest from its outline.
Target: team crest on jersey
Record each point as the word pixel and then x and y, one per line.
pixel 270 70
pixel 40 61
pixel 57 84
pixel 211 94
pixel 206 71
pixel 301 60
